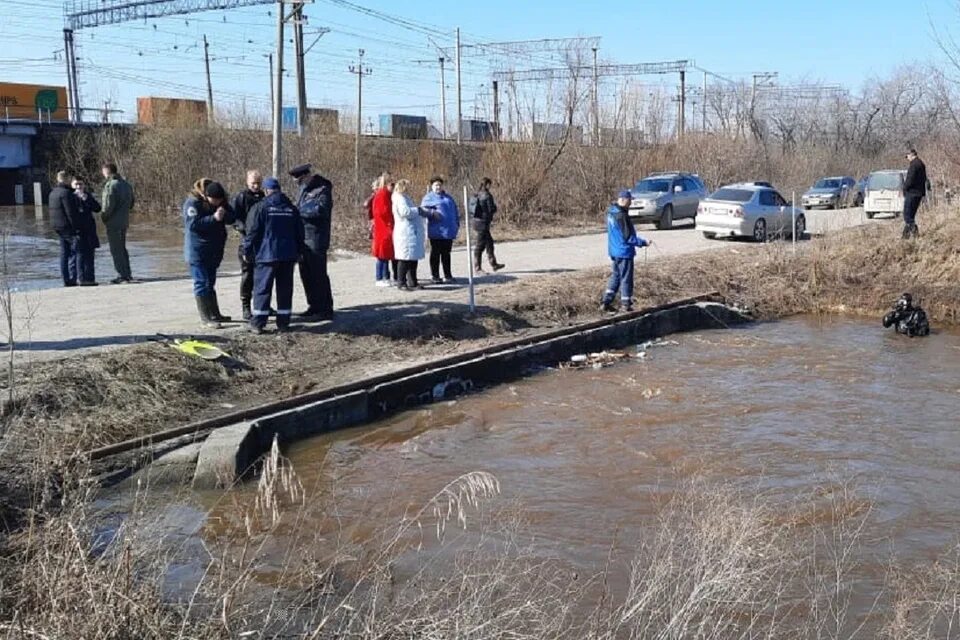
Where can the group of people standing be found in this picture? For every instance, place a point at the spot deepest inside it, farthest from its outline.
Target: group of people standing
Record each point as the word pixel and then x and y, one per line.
pixel 399 231
pixel 276 235
pixel 72 214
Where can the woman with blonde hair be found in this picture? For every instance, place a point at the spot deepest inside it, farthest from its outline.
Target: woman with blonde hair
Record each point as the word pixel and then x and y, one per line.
pixel 381 237
pixel 409 235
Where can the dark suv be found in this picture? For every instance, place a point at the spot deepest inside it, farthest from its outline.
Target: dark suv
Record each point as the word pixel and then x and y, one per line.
pixel 662 198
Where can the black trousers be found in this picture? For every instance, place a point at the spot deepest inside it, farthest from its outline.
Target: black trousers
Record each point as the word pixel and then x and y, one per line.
pixel 316 282
pixel 440 253
pixel 483 243
pixel 407 273
pixel 911 203
pixel 246 278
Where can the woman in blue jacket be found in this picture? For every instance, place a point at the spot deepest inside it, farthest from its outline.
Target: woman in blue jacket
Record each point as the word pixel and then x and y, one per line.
pixel 442 230
pixel 206 215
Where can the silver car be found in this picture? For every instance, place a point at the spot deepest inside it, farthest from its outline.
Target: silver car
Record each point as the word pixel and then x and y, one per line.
pixel 749 210
pixel 832 193
pixel 662 198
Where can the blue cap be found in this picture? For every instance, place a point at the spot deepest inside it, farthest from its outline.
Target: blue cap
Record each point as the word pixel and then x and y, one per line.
pixel 626 194
pixel 271 183
pixel 301 170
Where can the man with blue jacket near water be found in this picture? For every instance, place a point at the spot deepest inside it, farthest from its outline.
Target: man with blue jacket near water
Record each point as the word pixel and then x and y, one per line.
pixel 273 243
pixel 622 243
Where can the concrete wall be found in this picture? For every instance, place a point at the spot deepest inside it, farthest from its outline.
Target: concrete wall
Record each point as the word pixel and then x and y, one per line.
pixel 231 452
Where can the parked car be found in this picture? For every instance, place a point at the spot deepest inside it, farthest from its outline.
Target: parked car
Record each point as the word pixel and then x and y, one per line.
pixel 662 198
pixel 884 192
pixel 749 210
pixel 832 193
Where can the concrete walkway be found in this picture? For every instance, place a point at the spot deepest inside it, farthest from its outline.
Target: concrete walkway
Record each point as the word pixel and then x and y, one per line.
pixel 56 323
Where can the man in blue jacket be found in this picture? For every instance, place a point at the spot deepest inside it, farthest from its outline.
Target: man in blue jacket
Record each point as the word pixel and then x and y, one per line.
pixel 273 243
pixel 622 243
pixel 206 215
pixel 315 204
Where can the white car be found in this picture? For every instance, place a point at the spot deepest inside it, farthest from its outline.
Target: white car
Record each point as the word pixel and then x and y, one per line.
pixel 748 210
pixel 884 193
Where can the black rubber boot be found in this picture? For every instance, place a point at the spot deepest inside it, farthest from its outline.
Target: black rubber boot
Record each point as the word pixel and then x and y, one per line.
pixel 247 313
pixel 203 307
pixel 215 309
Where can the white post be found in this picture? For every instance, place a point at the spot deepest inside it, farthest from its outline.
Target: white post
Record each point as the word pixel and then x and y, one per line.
pixel 793 216
pixel 466 218
pixel 18 194
pixel 38 200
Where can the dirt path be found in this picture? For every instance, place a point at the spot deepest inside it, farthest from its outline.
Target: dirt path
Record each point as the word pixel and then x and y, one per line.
pixel 56 323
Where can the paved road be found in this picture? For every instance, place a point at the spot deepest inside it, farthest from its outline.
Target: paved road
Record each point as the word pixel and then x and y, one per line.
pixel 55 323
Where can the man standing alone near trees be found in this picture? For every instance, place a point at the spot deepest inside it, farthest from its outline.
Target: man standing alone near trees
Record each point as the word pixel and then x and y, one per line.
pixel 117 202
pixel 914 190
pixel 242 204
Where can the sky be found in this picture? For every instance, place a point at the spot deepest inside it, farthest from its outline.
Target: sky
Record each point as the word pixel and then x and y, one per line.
pixel 846 42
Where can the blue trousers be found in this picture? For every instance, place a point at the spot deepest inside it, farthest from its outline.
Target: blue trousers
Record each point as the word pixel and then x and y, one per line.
pixel 265 274
pixel 621 279
pixel 383 269
pixel 204 278
pixel 68 258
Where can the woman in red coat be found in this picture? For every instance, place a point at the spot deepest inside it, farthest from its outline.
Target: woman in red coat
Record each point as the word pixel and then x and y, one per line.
pixel 382 244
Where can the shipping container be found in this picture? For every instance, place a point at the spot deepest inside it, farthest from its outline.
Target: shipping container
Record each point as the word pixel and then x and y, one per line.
pixel 551 133
pixel 479 130
pixel 33 102
pixel 401 126
pixel 611 137
pixel 171 112
pixel 318 120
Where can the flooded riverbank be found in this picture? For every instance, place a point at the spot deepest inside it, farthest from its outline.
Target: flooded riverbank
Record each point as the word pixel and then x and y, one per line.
pixel 833 420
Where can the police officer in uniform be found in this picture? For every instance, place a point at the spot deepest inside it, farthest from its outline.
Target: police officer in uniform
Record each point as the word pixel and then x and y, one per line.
pixel 315 203
pixel 242 204
pixel 273 244
pixel 206 215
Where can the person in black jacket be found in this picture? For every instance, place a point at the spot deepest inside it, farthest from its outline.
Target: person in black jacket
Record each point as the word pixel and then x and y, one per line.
pixel 483 208
pixel 315 203
pixel 242 204
pixel 64 217
pixel 914 190
pixel 87 239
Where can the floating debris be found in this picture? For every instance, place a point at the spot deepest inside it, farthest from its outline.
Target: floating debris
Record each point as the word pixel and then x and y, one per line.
pixel 594 360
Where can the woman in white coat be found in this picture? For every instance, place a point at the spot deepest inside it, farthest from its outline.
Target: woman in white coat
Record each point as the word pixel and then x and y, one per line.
pixel 409 235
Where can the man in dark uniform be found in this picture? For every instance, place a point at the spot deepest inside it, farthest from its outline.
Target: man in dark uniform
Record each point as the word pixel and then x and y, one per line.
pixel 242 204
pixel 315 203
pixel 907 318
pixel 914 190
pixel 87 239
pixel 273 244
pixel 64 218
pixel 483 208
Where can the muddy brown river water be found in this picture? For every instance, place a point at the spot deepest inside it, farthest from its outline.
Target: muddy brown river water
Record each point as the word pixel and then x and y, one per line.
pixel 784 409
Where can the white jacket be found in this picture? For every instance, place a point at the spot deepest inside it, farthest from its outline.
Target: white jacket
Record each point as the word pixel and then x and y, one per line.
pixel 409 229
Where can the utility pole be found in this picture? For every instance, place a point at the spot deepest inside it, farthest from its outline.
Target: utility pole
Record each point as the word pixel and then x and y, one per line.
pixel 443 101
pixel 496 110
pixel 596 100
pixel 360 71
pixel 206 62
pixel 681 125
pixel 301 79
pixel 66 57
pixel 69 53
pixel 704 105
pixel 269 57
pixel 459 91
pixel 278 95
